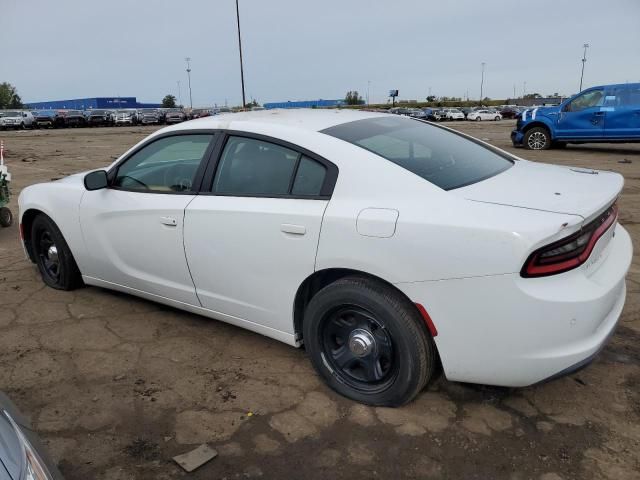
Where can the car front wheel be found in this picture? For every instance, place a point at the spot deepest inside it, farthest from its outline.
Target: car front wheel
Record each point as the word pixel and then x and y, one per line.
pixel 478 119
pixel 368 342
pixel 537 138
pixel 53 256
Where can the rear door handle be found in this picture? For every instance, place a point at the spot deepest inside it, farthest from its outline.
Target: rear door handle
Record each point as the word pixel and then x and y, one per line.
pixel 293 229
pixel 169 221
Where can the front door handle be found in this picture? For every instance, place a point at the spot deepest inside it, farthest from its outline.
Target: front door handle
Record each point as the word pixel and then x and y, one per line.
pixel 169 221
pixel 293 229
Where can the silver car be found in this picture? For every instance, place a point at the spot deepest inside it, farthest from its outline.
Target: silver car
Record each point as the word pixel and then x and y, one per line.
pixel 21 455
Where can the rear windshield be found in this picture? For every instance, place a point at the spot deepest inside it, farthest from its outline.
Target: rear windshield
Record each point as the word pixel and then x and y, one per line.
pixel 440 156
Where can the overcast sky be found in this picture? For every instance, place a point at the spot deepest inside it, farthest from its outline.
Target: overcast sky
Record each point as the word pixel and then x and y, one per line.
pixel 304 49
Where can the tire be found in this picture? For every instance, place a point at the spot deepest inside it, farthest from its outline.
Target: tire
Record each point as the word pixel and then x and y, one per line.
pixel 497 119
pixel 537 138
pixel 368 342
pixel 478 119
pixel 6 217
pixel 58 267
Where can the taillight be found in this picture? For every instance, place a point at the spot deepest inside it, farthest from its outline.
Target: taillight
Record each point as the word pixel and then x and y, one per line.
pixel 570 252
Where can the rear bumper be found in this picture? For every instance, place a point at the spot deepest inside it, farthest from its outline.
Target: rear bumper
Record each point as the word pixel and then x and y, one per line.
pixel 512 331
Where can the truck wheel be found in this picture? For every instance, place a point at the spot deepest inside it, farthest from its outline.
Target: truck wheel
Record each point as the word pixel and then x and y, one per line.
pixel 538 138
pixel 368 342
pixel 6 217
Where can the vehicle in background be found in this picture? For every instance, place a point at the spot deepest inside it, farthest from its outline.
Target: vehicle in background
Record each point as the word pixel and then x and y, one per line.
pixel 453 114
pixel 97 118
pixel 174 116
pixel 202 112
pixel 22 457
pixel 46 118
pixel 125 117
pixel 466 111
pixel 603 114
pixel 71 118
pixel 417 113
pixel 15 119
pixel 510 112
pixel 435 115
pixel 148 116
pixel 484 114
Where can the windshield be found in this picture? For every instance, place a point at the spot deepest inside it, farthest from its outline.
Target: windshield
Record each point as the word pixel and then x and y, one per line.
pixel 440 156
pixel 10 114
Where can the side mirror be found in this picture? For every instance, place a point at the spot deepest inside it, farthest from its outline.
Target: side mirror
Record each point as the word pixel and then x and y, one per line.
pixel 96 180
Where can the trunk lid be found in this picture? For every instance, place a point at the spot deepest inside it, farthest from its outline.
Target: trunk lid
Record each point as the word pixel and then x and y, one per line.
pixel 550 188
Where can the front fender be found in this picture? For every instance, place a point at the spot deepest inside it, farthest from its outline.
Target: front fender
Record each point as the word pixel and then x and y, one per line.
pixel 60 201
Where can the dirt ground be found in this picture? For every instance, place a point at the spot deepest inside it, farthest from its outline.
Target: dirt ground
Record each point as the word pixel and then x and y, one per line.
pixel 117 385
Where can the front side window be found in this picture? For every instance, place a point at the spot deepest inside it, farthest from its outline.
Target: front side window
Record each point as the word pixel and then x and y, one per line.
pixel 590 99
pixel 166 165
pixel 254 167
pixel 444 158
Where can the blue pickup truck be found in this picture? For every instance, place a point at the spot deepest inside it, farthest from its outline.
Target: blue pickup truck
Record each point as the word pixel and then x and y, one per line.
pixel 608 114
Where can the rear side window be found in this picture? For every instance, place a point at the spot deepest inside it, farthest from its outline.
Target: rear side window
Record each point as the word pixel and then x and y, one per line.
pixel 309 177
pixel 444 158
pixel 254 167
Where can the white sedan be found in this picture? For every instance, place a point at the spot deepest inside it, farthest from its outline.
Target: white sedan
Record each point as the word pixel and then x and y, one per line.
pixel 385 244
pixel 478 115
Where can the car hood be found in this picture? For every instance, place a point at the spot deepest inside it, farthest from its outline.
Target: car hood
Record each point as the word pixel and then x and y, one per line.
pixel 549 188
pixel 532 113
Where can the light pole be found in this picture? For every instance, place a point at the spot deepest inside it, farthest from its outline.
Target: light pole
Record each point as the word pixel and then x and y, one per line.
pixel 482 83
pixel 584 60
pixel 240 50
pixel 368 87
pixel 188 60
pixel 179 93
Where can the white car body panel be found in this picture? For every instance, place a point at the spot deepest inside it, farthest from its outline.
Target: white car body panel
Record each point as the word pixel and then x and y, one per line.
pixel 483 115
pixel 457 253
pixel 248 256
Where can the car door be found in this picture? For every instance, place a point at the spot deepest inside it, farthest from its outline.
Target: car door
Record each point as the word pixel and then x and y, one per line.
pixel 622 105
pixel 251 239
pixel 134 228
pixel 582 117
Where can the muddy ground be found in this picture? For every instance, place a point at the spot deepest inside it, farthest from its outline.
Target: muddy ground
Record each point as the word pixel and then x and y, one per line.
pixel 117 385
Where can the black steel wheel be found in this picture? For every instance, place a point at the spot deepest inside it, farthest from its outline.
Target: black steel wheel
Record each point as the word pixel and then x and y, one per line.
pixel 358 348
pixel 52 255
pixel 6 217
pixel 368 341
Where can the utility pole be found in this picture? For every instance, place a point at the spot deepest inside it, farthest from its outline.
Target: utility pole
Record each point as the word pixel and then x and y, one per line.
pixel 179 93
pixel 368 87
pixel 188 60
pixel 244 105
pixel 482 83
pixel 524 89
pixel 584 60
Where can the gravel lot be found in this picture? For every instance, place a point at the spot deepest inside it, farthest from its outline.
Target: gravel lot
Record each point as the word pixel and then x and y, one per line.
pixel 117 385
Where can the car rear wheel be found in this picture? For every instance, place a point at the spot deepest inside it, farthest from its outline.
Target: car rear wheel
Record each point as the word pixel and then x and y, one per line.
pixel 53 256
pixel 497 119
pixel 537 138
pixel 368 342
pixel 478 119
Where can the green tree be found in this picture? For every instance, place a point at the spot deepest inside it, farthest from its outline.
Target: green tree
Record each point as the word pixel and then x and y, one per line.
pixel 253 103
pixel 533 95
pixel 169 101
pixel 353 98
pixel 431 98
pixel 9 97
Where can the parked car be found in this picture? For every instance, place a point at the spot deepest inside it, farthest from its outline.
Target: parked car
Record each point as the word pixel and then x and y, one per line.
pixel 435 115
pixel 21 454
pixel 174 116
pixel 46 118
pixel 97 118
pixel 452 114
pixel 416 113
pixel 484 114
pixel 15 119
pixel 71 118
pixel 535 278
pixel 510 112
pixel 148 116
pixel 127 117
pixel 466 110
pixel 608 113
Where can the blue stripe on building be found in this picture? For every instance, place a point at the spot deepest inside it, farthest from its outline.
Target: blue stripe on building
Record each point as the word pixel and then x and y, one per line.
pixel 91 103
pixel 304 104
